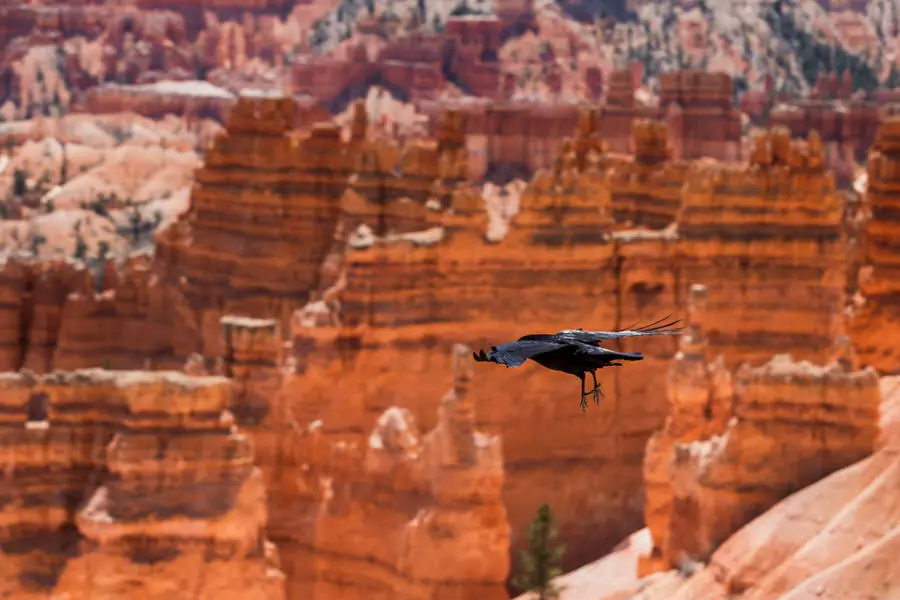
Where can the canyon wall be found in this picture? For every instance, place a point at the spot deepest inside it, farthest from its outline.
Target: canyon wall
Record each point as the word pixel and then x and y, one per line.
pixel 402 300
pixel 735 445
pixel 516 138
pixel 768 240
pixel 371 258
pixel 129 483
pixel 876 311
pixel 351 513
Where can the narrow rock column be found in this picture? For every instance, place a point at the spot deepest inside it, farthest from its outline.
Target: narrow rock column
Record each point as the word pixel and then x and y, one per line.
pixel 699 398
pixel 456 414
pixel 252 358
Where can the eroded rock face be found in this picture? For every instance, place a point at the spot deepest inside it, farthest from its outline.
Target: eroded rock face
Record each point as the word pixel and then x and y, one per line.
pixel 845 134
pixel 876 313
pixel 440 492
pixel 738 222
pixel 110 465
pixel 647 189
pixel 833 539
pixel 732 448
pixel 371 257
pixel 699 110
pixel 352 515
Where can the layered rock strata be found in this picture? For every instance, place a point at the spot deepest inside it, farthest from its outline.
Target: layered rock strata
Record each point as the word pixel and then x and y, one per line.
pixel 511 139
pixel 352 514
pixel 848 128
pixel 133 483
pixel 440 492
pixel 876 313
pixel 262 214
pixel 253 362
pixel 767 238
pixel 389 278
pixel 733 447
pixel 834 539
pixel 265 210
pixel 405 300
pixel 117 319
pixel 699 109
pixel 647 188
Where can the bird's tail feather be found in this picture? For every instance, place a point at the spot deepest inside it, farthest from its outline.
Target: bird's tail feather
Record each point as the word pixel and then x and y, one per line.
pixel 659 326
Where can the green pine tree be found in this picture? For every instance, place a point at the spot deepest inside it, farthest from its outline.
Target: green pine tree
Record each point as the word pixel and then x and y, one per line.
pixel 540 563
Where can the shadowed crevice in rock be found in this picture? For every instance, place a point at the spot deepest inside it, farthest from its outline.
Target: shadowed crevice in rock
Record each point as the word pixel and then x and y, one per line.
pixel 150 551
pixel 46 556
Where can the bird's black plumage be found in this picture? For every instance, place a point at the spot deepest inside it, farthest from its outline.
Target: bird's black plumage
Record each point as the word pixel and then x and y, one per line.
pixel 574 351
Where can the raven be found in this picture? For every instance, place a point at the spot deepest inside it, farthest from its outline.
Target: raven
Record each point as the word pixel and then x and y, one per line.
pixel 574 351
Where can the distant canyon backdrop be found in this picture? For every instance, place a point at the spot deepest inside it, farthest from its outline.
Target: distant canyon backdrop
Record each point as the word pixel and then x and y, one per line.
pixel 247 248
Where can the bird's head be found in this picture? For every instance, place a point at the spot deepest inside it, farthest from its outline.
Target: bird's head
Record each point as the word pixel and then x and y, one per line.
pixel 480 356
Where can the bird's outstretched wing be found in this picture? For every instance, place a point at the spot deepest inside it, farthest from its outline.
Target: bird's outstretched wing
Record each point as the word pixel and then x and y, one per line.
pixel 514 354
pixel 591 337
pixel 605 353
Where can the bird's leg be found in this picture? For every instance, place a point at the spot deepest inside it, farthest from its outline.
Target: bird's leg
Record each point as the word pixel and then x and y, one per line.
pixel 597 391
pixel 583 403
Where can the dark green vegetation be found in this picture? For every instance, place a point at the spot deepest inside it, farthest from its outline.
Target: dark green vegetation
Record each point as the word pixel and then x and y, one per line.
pixel 541 561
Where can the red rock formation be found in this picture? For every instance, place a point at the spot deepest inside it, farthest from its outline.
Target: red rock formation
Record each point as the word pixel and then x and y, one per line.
pixel 507 139
pixel 647 190
pixel 423 275
pixel 128 451
pixel 834 539
pixel 43 311
pixel 620 110
pixel 568 204
pixel 875 320
pixel 700 112
pixel 35 295
pixel 403 295
pixel 13 286
pixel 416 66
pixel 440 492
pixel 731 450
pixel 122 324
pixel 351 517
pixel 739 222
pixel 847 130
pixel 155 100
pixel 291 188
pixel 516 137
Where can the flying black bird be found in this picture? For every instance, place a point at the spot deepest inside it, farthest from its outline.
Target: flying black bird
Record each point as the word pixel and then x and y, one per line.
pixel 574 351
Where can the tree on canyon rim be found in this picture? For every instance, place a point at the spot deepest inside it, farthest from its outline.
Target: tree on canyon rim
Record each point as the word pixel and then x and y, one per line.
pixel 540 562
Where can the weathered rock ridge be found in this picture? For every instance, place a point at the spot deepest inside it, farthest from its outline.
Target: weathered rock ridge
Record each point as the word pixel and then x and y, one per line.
pixel 129 483
pixel 141 483
pixel 371 257
pixel 876 311
pixel 733 446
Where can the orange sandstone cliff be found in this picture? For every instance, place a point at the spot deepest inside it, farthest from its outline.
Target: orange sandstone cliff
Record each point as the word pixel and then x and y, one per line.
pixel 396 513
pixel 876 315
pixel 733 446
pixel 129 483
pixel 372 259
